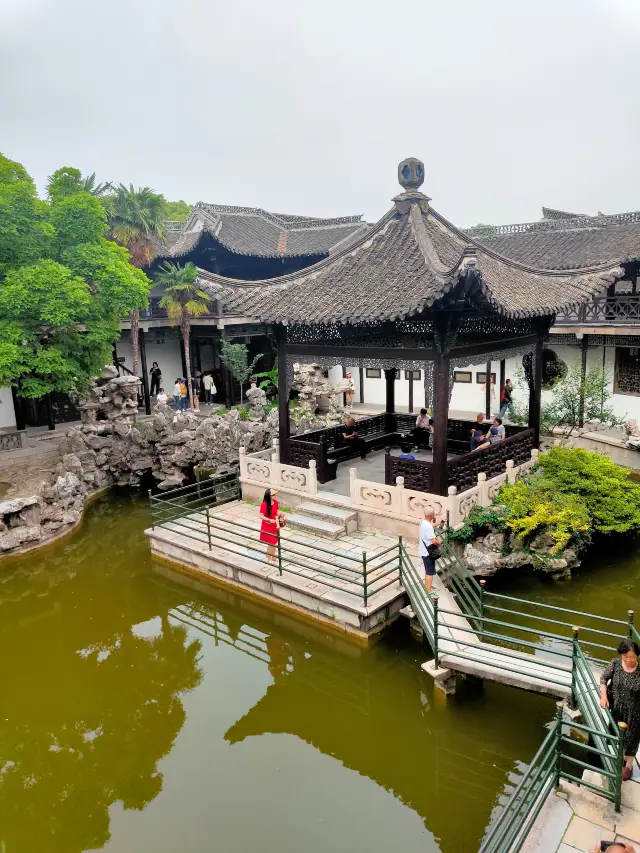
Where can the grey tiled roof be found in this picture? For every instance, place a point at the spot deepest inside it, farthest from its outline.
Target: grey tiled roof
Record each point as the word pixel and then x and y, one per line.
pixel 569 243
pixel 404 264
pixel 252 231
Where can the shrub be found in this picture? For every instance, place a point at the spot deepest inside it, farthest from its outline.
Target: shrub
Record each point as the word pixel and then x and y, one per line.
pixel 610 495
pixel 535 508
pixel 479 521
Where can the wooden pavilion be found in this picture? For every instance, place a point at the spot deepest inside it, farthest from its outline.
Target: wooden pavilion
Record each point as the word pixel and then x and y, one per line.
pixel 412 292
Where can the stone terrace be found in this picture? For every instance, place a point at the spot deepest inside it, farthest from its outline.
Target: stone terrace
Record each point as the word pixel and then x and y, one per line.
pixel 320 574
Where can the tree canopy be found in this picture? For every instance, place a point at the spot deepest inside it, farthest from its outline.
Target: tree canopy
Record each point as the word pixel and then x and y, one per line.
pixel 177 211
pixel 63 285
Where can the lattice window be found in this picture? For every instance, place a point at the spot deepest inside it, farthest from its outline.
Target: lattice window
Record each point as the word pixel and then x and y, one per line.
pixel 627 371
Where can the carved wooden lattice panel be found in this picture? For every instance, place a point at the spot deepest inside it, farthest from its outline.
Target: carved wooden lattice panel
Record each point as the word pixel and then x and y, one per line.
pixel 463 471
pixel 418 473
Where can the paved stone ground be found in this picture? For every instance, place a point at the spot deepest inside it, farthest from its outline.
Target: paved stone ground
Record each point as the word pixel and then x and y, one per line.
pixel 576 819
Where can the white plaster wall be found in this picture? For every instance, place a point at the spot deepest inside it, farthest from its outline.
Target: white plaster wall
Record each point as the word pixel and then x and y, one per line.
pixel 167 355
pixel 624 405
pixel 471 397
pixel 7 413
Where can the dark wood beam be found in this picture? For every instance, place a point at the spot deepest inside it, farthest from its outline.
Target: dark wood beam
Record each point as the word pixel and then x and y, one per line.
pixel 283 395
pixel 398 353
pixel 503 371
pixel 411 390
pixel 361 377
pixel 405 354
pixel 441 412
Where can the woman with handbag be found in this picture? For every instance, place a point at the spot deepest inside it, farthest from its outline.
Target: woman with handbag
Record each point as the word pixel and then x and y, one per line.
pixel 272 521
pixel 428 547
pixel 620 691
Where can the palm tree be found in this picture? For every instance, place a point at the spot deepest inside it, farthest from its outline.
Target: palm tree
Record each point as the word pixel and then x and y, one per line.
pixel 183 300
pixel 136 222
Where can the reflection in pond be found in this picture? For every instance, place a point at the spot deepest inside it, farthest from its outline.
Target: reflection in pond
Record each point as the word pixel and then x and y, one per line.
pixel 138 714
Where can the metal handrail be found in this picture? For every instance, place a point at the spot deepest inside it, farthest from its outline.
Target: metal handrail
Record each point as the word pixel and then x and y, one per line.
pixel 240 539
pixel 547 768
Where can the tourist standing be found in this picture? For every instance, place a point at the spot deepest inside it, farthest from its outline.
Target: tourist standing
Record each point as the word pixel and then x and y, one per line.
pixel 207 386
pixel 177 394
pixel 350 388
pixel 270 523
pixel 506 399
pixel 620 690
pixel 184 394
pixel 195 391
pixel 156 378
pixel 426 541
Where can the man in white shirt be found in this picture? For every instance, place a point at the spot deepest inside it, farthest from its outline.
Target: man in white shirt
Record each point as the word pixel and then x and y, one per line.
pixel 162 398
pixel 209 387
pixel 427 537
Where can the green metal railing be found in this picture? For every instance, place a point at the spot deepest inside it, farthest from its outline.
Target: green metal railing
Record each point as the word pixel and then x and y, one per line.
pixel 363 576
pixel 180 502
pixel 549 766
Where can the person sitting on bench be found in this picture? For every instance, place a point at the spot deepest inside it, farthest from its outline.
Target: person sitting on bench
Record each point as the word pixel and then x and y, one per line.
pixel 406 453
pixel 478 440
pixel 422 428
pixel 352 438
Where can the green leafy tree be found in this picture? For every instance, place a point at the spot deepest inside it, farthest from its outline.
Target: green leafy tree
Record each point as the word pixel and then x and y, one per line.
pixel 25 233
pixel 236 358
pixel 136 219
pixel 183 300
pixel 575 402
pixel 68 181
pixel 63 287
pixel 177 211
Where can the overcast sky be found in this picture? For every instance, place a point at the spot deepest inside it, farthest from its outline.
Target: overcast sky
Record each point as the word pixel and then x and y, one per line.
pixel 307 106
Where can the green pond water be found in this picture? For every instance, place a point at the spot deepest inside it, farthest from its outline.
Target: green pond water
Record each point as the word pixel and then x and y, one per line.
pixel 139 715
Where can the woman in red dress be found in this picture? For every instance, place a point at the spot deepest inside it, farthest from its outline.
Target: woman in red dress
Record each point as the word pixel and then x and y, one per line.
pixel 270 523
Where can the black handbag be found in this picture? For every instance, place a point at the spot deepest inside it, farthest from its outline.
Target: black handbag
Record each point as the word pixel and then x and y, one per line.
pixel 434 551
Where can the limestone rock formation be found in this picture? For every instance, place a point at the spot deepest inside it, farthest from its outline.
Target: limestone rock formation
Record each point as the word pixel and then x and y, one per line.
pixel 257 399
pixel 311 384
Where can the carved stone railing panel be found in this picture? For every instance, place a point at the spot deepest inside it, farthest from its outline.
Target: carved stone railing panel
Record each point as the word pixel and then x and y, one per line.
pixel 13 440
pixel 270 472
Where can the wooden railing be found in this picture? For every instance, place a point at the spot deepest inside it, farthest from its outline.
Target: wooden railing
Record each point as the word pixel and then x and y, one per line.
pixel 462 472
pixel 623 309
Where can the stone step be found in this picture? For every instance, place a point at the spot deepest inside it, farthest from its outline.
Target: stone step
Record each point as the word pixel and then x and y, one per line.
pixel 347 517
pixel 316 526
pixel 333 498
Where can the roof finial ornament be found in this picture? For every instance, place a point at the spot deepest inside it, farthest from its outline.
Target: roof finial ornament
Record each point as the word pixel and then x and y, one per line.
pixel 411 174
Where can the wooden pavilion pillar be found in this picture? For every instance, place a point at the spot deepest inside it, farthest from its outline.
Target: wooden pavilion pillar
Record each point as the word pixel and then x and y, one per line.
pixel 535 392
pixel 390 396
pixel 487 389
pixel 584 346
pixel 283 394
pixel 440 423
pixel 503 372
